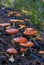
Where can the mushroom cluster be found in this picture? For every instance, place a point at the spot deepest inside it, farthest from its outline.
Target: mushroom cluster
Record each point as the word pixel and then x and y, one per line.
pixel 26 43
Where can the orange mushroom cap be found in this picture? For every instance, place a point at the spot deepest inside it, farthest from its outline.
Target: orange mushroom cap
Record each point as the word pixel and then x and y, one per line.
pixel 41 52
pixel 38 38
pixel 33 32
pixel 20 40
pixel 30 33
pixel 12 31
pixel 12 12
pixel 5 24
pixel 22 26
pixel 28 44
pixel 15 20
pixel 23 50
pixel 17 14
pixel 11 51
pixel 29 29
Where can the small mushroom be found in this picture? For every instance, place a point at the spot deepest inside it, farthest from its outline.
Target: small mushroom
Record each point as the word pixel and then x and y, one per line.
pixel 23 50
pixel 11 51
pixel 26 19
pixel 39 38
pixel 29 29
pixel 5 24
pixel 22 26
pixel 41 52
pixel 20 40
pixel 10 13
pixel 18 14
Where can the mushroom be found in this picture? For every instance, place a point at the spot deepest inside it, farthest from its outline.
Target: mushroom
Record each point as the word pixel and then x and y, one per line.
pixel 42 53
pixel 30 33
pixel 22 26
pixel 39 38
pixel 20 40
pixel 28 44
pixel 23 50
pixel 11 51
pixel 33 32
pixel 18 14
pixel 5 25
pixel 29 29
pixel 26 19
pixel 12 12
pixel 12 31
pixel 15 20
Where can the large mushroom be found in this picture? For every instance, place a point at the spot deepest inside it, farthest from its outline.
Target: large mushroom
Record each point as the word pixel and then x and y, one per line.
pixel 12 31
pixel 30 32
pixel 20 40
pixel 11 52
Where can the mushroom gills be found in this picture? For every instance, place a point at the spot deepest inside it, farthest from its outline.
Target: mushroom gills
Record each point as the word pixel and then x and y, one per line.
pixel 11 59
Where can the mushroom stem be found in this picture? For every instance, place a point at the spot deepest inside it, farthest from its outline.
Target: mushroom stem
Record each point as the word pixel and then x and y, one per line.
pixel 21 27
pixel 23 54
pixel 12 37
pixel 13 24
pixel 11 59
